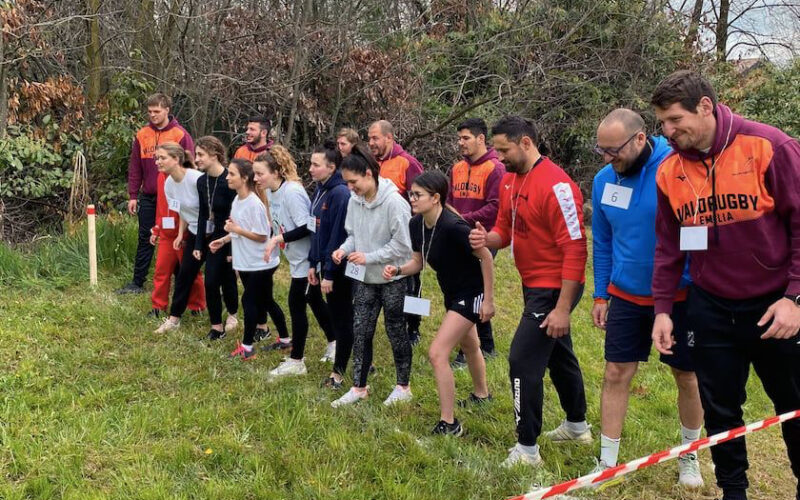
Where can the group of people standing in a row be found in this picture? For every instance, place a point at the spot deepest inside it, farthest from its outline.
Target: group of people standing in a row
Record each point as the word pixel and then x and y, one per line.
pixel 696 247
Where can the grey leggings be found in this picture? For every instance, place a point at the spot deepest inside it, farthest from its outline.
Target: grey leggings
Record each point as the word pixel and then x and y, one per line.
pixel 368 299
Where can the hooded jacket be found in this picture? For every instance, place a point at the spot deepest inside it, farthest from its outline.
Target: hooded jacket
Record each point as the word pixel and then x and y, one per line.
pixel 475 188
pixel 401 168
pixel 746 189
pixel 249 153
pixel 142 170
pixel 624 240
pixel 379 229
pixel 329 208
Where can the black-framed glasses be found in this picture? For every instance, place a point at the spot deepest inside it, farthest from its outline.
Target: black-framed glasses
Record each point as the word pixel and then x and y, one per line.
pixel 415 195
pixel 613 152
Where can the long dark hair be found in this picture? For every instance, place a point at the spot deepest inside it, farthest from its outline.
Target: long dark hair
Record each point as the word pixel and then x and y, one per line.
pixel 360 160
pixel 331 153
pixel 245 169
pixel 435 182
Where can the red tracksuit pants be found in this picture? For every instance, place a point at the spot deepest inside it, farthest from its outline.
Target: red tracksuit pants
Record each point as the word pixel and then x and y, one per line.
pixel 167 261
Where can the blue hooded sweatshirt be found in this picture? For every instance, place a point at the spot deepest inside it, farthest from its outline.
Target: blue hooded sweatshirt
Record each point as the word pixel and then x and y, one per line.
pixel 329 207
pixel 624 241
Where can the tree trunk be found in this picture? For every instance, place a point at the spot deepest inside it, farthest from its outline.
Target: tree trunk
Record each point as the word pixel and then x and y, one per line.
pixel 94 59
pixel 3 88
pixel 694 23
pixel 145 41
pixel 722 30
pixel 299 66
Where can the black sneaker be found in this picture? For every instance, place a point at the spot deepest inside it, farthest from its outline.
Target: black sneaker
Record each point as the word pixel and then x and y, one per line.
pixel 331 383
pixel 130 288
pixel 261 334
pixel 446 429
pixel 487 355
pixel 154 313
pixel 474 400
pixel 196 312
pixel 372 369
pixel 413 337
pixel 277 346
pixel 460 361
pixel 215 335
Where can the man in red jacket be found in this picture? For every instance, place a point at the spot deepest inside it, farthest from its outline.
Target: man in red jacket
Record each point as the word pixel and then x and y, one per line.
pixel 729 197
pixel 540 217
pixel 143 175
pixel 256 138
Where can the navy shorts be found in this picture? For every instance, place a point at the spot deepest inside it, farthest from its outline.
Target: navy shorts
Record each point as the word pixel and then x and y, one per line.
pixel 469 307
pixel 629 329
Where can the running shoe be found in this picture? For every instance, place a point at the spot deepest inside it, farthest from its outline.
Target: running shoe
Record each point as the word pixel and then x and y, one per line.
pixel 517 455
pixel 474 400
pixel 445 429
pixel 350 397
pixel 242 353
pixel 168 325
pixel 330 353
pixel 289 367
pixel 562 434
pixel 398 395
pixel 689 471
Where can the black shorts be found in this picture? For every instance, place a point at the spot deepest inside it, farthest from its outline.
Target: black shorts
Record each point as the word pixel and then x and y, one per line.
pixel 629 329
pixel 469 306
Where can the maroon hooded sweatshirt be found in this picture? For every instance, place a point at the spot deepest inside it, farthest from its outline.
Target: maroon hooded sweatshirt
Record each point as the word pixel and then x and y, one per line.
pixel 142 170
pixel 475 188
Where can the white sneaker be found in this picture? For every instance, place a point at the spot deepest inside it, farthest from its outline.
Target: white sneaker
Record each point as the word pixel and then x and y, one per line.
pixel 600 466
pixel 330 353
pixel 517 456
pixel 689 471
pixel 562 434
pixel 168 325
pixel 350 397
pixel 231 323
pixel 289 367
pixel 398 395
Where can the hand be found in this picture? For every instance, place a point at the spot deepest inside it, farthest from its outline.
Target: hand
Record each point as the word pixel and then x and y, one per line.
pixel 177 243
pixel 477 237
pixel 337 256
pixel 357 258
pixel 599 314
pixel 389 272
pixel 153 236
pixel 557 323
pixel 231 226
pixel 785 316
pixel 216 245
pixel 270 247
pixel 312 277
pixel 132 206
pixel 487 310
pixel 197 254
pixel 662 333
pixel 327 286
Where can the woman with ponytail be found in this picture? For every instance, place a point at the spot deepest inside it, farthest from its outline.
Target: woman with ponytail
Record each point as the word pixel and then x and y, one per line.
pixel 440 238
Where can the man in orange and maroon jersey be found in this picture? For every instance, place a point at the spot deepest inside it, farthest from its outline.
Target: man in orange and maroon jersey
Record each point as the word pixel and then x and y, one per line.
pixel 401 168
pixel 143 179
pixel 256 138
pixel 474 193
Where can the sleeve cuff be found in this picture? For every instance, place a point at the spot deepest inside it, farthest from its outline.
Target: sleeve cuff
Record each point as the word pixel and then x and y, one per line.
pixel 663 306
pixel 793 288
pixel 601 300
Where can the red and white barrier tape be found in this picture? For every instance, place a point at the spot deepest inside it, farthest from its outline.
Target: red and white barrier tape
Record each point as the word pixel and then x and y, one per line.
pixel 655 458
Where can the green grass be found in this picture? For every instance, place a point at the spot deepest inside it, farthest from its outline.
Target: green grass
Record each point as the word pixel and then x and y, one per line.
pixel 96 406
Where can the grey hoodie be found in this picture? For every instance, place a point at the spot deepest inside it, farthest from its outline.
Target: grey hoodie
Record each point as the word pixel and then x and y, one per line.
pixel 379 229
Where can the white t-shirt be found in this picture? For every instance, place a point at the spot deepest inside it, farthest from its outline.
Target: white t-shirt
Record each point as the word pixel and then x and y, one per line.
pixel 251 215
pixel 290 208
pixel 182 197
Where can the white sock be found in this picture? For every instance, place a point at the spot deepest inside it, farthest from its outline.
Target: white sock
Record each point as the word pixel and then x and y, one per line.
pixel 285 340
pixel 332 344
pixel 247 348
pixel 576 427
pixel 689 435
pixel 609 450
pixel 529 450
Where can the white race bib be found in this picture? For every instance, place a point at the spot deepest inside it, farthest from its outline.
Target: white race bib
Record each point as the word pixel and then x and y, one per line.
pixel 168 223
pixel 694 238
pixel 355 271
pixel 617 196
pixel 209 226
pixel 174 205
pixel 416 305
pixel 311 224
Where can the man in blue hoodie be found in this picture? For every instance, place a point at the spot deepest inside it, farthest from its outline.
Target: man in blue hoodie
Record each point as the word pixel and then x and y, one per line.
pixel 623 232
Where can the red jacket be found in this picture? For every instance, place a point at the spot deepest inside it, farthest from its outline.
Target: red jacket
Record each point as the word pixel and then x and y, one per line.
pixel 142 170
pixel 400 168
pixel 162 210
pixel 549 243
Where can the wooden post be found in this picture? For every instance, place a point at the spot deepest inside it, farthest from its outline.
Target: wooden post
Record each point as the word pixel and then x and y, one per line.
pixel 92 246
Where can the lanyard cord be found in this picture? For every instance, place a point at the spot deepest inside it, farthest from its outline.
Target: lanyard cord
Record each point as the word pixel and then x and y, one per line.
pixel 210 195
pixel 516 201
pixel 425 253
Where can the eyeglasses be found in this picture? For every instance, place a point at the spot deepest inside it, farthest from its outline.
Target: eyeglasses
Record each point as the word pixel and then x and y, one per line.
pixel 415 195
pixel 613 152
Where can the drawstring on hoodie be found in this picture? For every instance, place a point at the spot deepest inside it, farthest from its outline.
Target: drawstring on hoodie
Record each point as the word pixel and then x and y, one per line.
pixel 713 203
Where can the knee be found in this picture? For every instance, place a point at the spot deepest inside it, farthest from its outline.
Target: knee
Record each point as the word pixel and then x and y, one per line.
pixel 619 373
pixel 438 357
pixel 686 381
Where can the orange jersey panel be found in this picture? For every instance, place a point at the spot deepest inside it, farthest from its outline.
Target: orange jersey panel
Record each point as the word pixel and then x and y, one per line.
pixel 150 139
pixel 471 183
pixel 394 169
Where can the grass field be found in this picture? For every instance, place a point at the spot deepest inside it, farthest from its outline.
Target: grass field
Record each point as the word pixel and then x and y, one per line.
pixel 96 406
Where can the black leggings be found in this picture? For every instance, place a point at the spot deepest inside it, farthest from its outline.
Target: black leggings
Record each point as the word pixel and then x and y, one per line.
pixel 187 273
pixel 298 298
pixel 340 305
pixel 257 301
pixel 220 274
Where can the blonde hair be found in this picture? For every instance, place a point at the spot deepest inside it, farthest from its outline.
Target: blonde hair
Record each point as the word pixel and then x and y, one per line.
pixel 176 151
pixel 279 160
pixel 350 134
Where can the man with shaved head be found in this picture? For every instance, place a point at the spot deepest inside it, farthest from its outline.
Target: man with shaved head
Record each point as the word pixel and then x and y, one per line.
pixel 623 231
pixel 400 168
